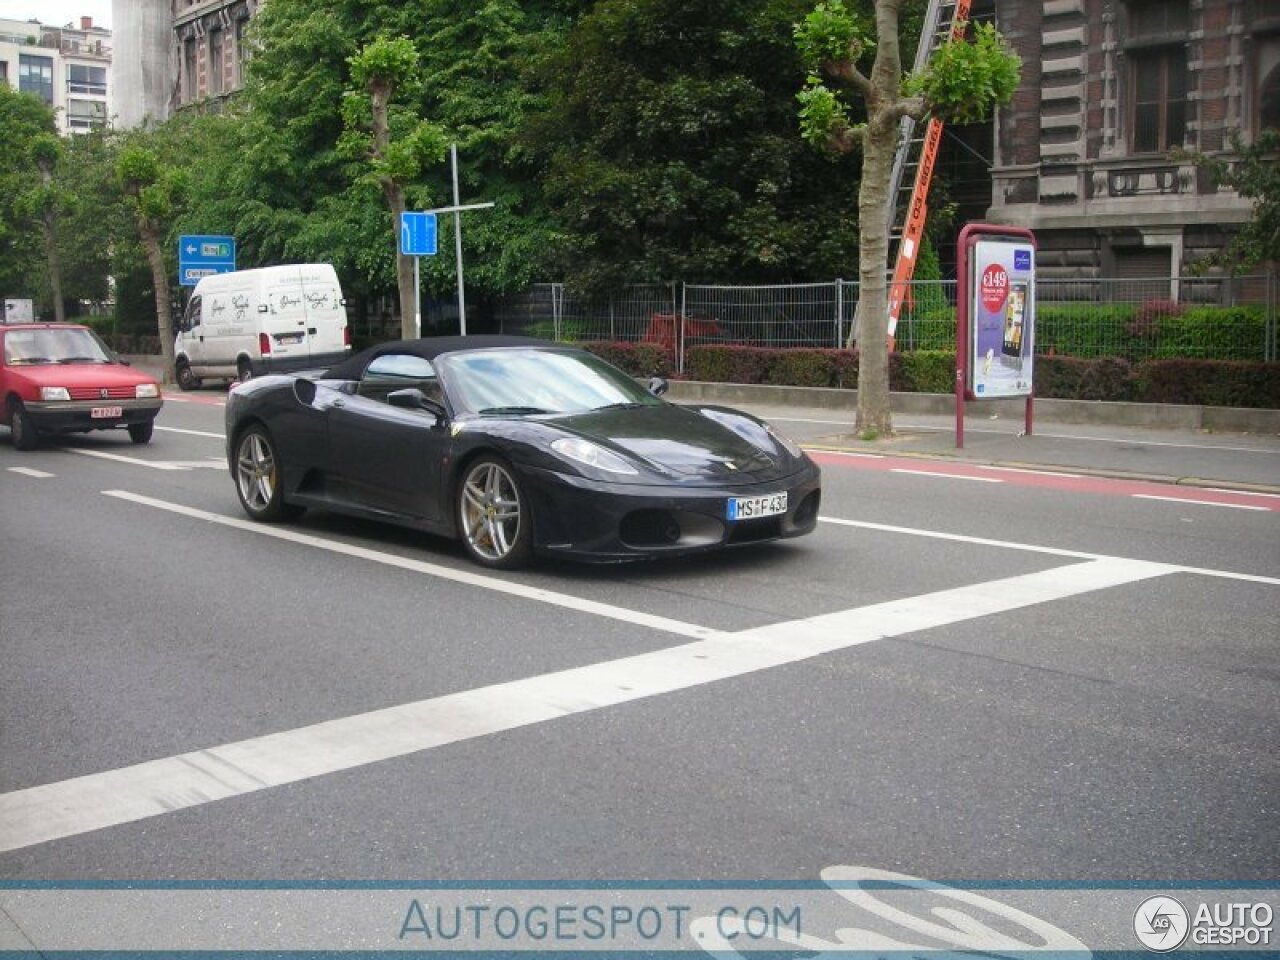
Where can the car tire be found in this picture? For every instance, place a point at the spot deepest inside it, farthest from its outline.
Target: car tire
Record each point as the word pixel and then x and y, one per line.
pixel 495 520
pixel 257 474
pixel 186 379
pixel 141 432
pixel 24 433
pixel 244 372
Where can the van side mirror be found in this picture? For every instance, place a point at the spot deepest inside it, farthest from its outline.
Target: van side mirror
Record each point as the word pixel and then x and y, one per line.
pixel 411 398
pixel 658 386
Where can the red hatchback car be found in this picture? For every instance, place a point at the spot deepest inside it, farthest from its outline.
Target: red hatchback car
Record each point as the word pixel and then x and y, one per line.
pixel 60 378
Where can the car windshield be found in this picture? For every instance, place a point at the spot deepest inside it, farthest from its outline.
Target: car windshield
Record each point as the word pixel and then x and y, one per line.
pixel 528 382
pixel 54 345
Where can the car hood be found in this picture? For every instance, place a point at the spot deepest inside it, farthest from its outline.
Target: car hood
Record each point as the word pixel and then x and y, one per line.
pixel 79 375
pixel 711 443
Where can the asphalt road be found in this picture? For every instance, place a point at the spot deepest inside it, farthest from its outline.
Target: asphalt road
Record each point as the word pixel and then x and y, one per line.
pixel 961 674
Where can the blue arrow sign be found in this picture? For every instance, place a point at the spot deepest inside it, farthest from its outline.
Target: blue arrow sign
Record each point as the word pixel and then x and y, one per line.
pixel 418 234
pixel 203 256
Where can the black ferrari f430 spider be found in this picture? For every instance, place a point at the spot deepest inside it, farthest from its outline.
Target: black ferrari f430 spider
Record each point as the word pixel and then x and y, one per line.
pixel 515 447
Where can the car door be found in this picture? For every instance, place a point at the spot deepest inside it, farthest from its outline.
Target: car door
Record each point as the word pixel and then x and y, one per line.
pixel 390 459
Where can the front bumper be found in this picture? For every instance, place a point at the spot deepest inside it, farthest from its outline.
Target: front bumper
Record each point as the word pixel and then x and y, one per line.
pixel 76 416
pixel 591 520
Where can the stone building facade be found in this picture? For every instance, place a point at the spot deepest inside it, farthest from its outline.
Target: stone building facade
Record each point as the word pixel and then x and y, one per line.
pixel 1085 154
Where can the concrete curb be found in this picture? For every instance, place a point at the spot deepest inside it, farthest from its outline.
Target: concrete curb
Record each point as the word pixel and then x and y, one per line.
pixel 1158 415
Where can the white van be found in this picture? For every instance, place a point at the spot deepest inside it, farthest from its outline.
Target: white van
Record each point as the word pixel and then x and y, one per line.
pixel 270 320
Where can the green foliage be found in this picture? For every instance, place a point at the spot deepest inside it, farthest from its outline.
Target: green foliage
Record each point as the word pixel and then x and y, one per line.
pixel 1254 174
pixel 963 80
pixel 1212 333
pixel 387 61
pixel 26 122
pixel 929 371
pixel 823 115
pixel 830 33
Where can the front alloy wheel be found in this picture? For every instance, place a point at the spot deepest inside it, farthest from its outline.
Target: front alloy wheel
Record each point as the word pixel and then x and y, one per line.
pixel 258 476
pixel 494 519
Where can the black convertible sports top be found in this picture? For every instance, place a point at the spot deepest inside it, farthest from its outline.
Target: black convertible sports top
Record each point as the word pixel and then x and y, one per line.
pixel 428 348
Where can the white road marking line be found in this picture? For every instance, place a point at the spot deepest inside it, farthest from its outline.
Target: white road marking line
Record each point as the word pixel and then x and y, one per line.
pixel 1199 503
pixel 127 794
pixel 31 472
pixel 652 621
pixel 193 433
pixel 844 453
pixel 1034 473
pixel 1246 493
pixel 946 476
pixel 120 458
pixel 1036 548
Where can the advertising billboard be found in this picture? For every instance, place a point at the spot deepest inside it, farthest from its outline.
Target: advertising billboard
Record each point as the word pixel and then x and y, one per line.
pixel 1002 312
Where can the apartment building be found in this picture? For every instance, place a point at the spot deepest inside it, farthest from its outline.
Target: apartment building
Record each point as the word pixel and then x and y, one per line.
pixel 1086 154
pixel 68 67
pixel 178 53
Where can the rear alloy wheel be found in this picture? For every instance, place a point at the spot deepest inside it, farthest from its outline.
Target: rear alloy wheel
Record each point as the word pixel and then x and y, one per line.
pixel 186 379
pixel 24 432
pixel 141 432
pixel 258 477
pixel 494 519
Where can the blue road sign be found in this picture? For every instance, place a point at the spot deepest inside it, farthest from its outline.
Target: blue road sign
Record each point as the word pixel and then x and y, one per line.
pixel 203 256
pixel 418 234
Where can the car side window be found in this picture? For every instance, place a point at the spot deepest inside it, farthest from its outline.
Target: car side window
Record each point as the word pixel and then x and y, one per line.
pixel 398 371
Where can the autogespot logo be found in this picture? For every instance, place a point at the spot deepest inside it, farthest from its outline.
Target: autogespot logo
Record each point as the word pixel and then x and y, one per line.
pixel 1161 924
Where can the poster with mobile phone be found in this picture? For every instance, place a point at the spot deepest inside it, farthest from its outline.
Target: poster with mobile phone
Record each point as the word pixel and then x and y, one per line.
pixel 1002 315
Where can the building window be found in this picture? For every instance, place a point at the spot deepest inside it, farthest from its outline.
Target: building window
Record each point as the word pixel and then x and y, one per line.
pixel 189 66
pixel 4 72
pixel 1159 99
pixel 242 49
pixel 35 75
pixel 86 79
pixel 216 66
pixel 1156 34
pixel 86 114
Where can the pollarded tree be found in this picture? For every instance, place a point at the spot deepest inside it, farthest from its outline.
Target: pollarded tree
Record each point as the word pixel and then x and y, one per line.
pixel 961 84
pixel 42 204
pixel 396 146
pixel 153 191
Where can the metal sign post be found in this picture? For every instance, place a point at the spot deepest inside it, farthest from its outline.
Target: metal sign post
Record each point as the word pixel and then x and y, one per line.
pixel 995 317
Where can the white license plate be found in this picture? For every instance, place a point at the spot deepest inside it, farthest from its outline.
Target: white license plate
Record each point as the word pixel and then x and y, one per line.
pixel 106 413
pixel 749 508
pixel 283 338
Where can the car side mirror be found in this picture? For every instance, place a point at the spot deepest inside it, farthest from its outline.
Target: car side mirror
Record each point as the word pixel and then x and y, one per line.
pixel 411 398
pixel 658 386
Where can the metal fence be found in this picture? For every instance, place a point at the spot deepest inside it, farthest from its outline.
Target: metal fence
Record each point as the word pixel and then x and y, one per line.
pixel 1193 317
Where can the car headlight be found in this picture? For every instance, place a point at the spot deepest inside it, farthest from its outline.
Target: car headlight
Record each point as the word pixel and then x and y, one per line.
pixel 146 391
pixel 785 442
pixel 592 455
pixel 54 393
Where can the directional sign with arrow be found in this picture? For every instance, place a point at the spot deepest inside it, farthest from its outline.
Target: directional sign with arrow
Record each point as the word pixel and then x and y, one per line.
pixel 203 256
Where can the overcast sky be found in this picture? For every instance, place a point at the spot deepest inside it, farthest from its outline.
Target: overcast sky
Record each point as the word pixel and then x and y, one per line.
pixel 57 13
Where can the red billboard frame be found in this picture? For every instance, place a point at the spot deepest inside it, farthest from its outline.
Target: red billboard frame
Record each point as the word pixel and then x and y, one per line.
pixel 969 236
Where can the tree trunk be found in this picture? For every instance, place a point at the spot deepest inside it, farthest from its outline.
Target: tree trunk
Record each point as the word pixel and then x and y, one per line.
pixel 160 280
pixel 879 140
pixel 55 267
pixel 380 92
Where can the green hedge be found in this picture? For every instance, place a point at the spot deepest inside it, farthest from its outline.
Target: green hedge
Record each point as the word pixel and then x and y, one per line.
pixel 1219 383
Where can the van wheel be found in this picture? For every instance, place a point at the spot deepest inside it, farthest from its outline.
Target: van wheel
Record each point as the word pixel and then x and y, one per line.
pixel 186 379
pixel 244 372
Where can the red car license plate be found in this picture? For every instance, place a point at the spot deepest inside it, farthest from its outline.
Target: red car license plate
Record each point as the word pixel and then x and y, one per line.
pixel 106 413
